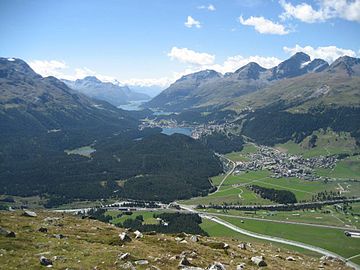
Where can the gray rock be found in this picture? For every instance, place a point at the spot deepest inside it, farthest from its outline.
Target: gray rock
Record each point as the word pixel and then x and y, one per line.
pixel 59 236
pixel 7 233
pixel 290 258
pixel 124 256
pixel 241 266
pixel 184 262
pixel 194 238
pixel 45 261
pixel 138 234
pixel 128 265
pixel 242 246
pixel 28 213
pixel 188 254
pixel 258 260
pixel 216 266
pixel 124 237
pixel 141 262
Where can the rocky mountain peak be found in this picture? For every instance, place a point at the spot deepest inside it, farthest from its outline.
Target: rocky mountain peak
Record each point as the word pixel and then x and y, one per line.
pixel 316 65
pixel 201 75
pixel 350 65
pixel 251 70
pixel 291 67
pixel 12 68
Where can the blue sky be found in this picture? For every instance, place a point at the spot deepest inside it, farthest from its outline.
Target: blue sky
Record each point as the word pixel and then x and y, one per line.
pixel 156 41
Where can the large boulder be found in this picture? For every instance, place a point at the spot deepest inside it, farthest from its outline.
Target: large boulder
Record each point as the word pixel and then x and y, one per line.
pixel 124 237
pixel 28 213
pixel 45 261
pixel 142 262
pixel 241 266
pixel 216 266
pixel 127 265
pixel 259 261
pixel 184 262
pixel 124 256
pixel 138 234
pixel 194 238
pixel 242 246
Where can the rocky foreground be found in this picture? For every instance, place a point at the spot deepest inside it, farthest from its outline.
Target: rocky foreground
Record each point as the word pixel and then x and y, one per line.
pixel 43 239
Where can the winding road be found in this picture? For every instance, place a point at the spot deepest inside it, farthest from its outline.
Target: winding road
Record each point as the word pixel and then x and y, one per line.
pixel 272 238
pixel 214 217
pixel 228 173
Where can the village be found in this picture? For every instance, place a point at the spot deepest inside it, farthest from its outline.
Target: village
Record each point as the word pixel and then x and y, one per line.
pixel 285 165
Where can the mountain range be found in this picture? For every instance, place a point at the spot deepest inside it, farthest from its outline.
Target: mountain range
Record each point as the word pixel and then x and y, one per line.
pixel 33 105
pixel 44 125
pixel 107 91
pixel 297 80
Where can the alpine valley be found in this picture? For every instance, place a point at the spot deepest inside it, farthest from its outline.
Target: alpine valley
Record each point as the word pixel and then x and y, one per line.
pixel 273 156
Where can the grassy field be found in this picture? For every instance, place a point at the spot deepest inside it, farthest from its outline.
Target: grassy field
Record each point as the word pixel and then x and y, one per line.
pixel 147 215
pixel 233 189
pixel 90 244
pixel 330 239
pixel 216 230
pixel 328 143
pixel 328 215
pixel 346 168
pixel 242 155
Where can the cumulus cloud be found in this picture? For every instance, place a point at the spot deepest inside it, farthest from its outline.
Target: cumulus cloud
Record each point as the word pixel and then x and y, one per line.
pixel 199 61
pixel 191 22
pixel 328 53
pixel 186 55
pixel 209 7
pixel 48 68
pixel 264 26
pixel 233 63
pixel 148 82
pixel 61 70
pixel 328 9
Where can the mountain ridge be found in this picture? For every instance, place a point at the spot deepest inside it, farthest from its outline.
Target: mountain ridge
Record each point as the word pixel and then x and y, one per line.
pixel 247 80
pixel 107 91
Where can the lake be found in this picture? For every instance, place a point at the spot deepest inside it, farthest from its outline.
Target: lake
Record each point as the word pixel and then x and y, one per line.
pixel 133 105
pixel 181 130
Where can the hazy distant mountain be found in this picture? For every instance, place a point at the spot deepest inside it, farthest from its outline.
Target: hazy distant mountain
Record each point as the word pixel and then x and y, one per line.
pixel 112 93
pixel 30 103
pixel 210 89
pixel 151 91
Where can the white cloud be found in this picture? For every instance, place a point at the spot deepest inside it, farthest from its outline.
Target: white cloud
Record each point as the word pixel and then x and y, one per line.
pixel 48 68
pixel 191 22
pixel 186 55
pixel 328 53
pixel 232 63
pixel 209 7
pixel 199 61
pixel 328 9
pixel 81 73
pixel 161 82
pixel 59 69
pixel 264 26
